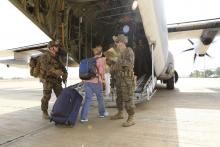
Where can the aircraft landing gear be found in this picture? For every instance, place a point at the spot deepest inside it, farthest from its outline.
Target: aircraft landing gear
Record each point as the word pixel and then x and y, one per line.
pixel 170 83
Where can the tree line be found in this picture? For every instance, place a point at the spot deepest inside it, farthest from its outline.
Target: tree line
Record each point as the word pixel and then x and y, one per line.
pixel 206 74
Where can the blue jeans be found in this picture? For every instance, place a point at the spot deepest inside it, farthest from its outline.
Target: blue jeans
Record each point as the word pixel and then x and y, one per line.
pixel 91 88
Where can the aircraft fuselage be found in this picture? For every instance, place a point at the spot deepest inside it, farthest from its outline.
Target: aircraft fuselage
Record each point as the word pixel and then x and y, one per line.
pixel 83 24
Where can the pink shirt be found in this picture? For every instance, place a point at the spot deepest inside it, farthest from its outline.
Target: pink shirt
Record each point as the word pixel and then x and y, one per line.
pixel 100 63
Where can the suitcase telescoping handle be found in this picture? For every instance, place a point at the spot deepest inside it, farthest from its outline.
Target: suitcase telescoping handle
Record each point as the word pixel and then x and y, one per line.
pixel 67 62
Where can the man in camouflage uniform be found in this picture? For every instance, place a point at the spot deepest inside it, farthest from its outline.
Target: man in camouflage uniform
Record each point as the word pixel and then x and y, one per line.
pixel 123 78
pixel 52 73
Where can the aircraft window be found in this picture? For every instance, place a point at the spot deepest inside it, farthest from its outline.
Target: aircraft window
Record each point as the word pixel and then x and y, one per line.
pixel 126 29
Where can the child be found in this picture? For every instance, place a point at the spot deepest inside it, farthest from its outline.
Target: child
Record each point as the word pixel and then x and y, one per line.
pixel 95 86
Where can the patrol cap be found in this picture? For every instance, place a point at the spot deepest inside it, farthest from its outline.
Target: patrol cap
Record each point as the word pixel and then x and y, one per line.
pixel 53 43
pixel 121 38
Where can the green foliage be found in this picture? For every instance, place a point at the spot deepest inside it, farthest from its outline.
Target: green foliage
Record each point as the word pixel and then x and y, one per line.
pixel 217 71
pixel 208 73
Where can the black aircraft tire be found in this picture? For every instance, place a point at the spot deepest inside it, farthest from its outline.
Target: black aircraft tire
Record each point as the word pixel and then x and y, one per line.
pixel 170 83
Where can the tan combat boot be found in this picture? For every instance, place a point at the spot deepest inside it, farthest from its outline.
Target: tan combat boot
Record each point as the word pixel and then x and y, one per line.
pixel 45 115
pixel 118 115
pixel 129 122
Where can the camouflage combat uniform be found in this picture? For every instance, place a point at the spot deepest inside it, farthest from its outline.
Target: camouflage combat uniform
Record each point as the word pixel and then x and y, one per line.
pixel 51 71
pixel 123 78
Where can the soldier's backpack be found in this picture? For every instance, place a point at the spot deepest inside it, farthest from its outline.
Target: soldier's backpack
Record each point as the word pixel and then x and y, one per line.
pixel 87 68
pixel 35 66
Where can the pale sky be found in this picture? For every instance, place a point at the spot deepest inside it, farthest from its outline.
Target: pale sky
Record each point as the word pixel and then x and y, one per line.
pixel 16 31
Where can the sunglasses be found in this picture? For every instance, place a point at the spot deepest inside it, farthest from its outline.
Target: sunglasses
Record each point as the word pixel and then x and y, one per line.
pixel 117 42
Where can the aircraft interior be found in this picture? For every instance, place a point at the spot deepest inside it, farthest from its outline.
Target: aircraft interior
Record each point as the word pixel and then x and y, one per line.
pixel 83 24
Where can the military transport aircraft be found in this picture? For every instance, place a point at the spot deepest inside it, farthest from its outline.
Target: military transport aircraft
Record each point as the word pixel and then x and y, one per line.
pixel 83 24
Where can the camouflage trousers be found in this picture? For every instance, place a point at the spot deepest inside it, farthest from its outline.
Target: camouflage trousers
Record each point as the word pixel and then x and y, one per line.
pixel 47 91
pixel 125 97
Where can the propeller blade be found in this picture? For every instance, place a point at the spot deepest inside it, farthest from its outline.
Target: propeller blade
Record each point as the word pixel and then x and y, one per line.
pixel 188 49
pixel 191 41
pixel 194 59
pixel 208 55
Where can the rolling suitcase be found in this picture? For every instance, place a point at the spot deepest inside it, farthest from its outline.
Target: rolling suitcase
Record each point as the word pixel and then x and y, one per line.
pixel 66 107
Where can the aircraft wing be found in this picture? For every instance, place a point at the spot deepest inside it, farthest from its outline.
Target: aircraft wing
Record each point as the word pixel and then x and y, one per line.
pixel 19 57
pixel 194 29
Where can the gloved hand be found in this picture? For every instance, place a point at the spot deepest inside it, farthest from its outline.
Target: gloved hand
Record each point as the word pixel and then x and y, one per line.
pixel 64 77
pixel 112 90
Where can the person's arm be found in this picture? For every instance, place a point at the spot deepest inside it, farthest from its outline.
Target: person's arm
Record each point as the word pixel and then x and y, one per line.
pixel 49 68
pixel 55 72
pixel 65 74
pixel 101 68
pixel 112 79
